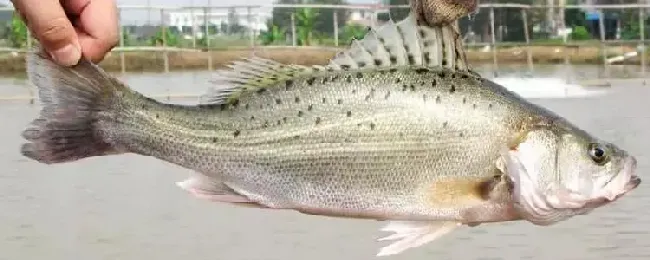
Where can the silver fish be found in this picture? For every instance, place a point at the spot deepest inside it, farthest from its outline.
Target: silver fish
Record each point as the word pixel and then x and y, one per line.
pixel 395 129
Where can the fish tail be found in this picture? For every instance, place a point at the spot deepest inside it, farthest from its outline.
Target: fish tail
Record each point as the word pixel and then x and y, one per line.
pixel 72 99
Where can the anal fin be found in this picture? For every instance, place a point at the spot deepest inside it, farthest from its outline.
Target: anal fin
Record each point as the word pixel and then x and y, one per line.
pixel 413 234
pixel 204 187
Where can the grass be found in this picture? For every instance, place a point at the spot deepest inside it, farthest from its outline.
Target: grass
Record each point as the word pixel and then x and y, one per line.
pixel 143 61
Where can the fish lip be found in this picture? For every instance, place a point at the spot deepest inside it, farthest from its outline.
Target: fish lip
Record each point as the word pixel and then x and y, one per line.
pixel 634 181
pixel 630 168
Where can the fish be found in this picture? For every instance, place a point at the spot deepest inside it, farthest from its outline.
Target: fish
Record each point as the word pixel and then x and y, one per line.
pixel 398 128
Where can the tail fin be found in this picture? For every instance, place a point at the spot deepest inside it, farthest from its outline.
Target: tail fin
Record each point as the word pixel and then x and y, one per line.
pixel 71 98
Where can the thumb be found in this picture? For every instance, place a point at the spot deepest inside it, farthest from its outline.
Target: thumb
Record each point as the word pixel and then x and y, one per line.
pixel 50 25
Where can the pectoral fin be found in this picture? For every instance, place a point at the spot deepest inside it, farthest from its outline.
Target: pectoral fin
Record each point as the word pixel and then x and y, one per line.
pixel 413 234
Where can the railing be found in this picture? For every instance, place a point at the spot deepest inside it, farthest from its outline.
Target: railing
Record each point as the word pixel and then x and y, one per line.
pixel 208 38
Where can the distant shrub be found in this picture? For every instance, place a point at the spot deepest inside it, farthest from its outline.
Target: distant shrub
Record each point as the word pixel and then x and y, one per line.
pixel 580 33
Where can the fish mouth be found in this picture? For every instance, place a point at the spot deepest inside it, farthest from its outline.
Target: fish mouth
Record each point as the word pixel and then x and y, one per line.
pixel 629 169
pixel 627 177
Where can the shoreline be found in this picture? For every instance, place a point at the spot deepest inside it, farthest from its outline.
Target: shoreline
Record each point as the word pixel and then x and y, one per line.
pixel 153 61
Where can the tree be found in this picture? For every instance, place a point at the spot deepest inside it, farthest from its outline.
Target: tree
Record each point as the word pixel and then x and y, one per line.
pixel 325 22
pixel 306 21
pixel 18 32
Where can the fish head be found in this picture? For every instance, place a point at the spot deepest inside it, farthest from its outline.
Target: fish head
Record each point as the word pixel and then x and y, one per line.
pixel 559 171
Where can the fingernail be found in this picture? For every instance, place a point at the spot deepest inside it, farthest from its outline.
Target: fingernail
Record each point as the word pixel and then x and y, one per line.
pixel 69 55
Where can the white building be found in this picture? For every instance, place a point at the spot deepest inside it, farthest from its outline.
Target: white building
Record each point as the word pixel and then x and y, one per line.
pixel 186 20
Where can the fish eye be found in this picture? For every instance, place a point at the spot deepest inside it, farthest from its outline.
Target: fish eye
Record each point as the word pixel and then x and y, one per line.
pixel 598 154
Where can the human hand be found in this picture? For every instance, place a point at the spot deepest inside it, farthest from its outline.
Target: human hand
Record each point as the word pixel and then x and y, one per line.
pixel 69 28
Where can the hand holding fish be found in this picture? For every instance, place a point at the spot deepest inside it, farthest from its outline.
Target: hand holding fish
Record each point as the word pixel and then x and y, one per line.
pixel 69 29
pixel 439 12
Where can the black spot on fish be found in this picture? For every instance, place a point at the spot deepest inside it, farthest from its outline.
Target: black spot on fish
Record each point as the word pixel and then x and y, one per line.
pixel 297 100
pixel 372 126
pixel 223 107
pixel 398 80
pixel 296 137
pixel 377 62
pixel 444 62
pixel 354 91
pixel 464 76
pixel 300 113
pixel 421 70
pixel 266 124
pixel 434 83
pixel 335 78
pixel 348 114
pixel 261 90
pixel 461 135
pixel 310 107
pixel 340 101
pixel 288 84
pixel 345 67
pixel 442 74
pixel 427 59
pixel 393 70
pixel 324 100
pixel 368 97
pixel 278 101
pixel 438 100
pixel 361 64
pixel 452 89
pixel 393 59
pixel 284 119
pixel 359 75
pixel 406 48
pixel 214 139
pixel 405 87
pixel 143 106
pixel 310 81
pixel 318 120
pixel 236 133
pixel 252 118
pixel 489 106
pixel 279 122
pixel 474 106
pixel 412 87
pixel 324 80
pixel 387 95
pixel 157 115
pixel 348 79
pixel 411 59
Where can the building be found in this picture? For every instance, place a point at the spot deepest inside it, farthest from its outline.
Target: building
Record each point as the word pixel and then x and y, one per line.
pixel 194 20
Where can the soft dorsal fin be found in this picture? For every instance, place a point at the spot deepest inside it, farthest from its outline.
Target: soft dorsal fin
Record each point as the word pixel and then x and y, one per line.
pixel 391 44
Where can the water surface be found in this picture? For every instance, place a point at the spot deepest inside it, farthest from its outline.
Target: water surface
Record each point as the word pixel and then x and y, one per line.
pixel 128 207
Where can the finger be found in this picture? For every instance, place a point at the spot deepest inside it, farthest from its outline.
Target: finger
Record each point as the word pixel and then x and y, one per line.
pixel 50 25
pixel 98 22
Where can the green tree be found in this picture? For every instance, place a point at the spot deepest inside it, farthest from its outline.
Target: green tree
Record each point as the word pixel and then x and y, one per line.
pixel 305 23
pixel 273 35
pixel 352 31
pixel 18 33
pixel 171 38
pixel 324 24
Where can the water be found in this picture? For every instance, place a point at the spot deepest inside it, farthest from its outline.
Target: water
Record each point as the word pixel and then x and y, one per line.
pixel 128 207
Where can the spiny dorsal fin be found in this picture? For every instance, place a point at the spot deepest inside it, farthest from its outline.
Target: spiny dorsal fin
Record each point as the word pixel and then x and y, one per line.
pixel 392 44
pixel 405 43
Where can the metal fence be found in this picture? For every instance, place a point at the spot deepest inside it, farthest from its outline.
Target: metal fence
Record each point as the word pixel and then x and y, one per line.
pixel 215 28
